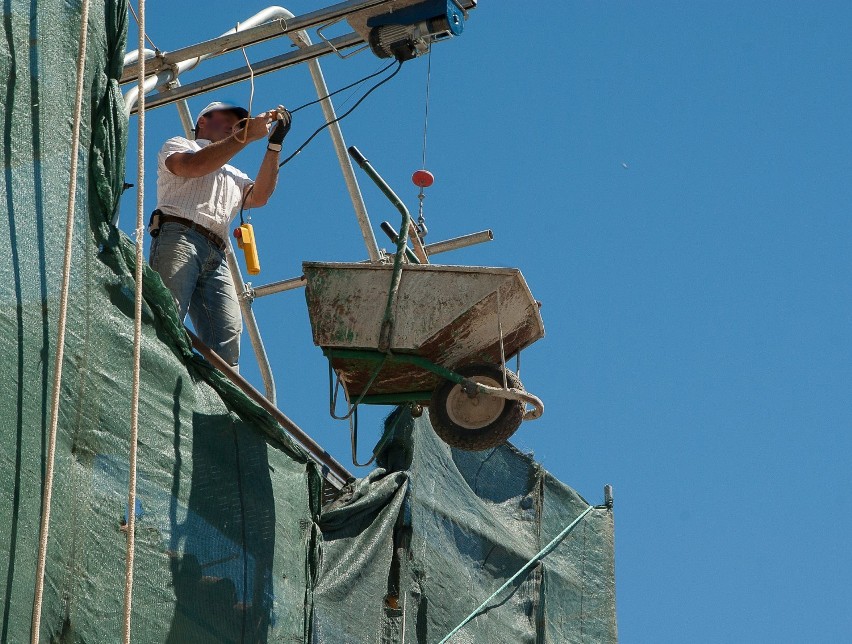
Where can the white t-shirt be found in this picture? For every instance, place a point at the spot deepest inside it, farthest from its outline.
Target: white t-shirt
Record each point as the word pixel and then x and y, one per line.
pixel 211 201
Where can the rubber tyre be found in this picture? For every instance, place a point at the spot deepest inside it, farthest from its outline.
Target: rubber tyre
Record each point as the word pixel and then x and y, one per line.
pixel 499 423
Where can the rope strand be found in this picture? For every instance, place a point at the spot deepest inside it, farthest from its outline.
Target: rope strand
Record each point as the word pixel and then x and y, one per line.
pixel 251 95
pixel 60 339
pixel 137 342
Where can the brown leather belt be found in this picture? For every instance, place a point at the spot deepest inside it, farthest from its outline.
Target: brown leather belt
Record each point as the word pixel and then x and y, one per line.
pixel 212 237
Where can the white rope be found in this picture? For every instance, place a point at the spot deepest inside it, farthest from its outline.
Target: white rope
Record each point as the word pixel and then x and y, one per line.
pixel 137 335
pixel 251 95
pixel 60 339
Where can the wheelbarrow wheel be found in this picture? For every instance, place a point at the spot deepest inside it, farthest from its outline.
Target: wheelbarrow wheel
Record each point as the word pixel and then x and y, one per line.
pixel 479 422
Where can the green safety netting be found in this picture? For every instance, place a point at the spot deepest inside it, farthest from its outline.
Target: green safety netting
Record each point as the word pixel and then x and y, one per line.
pixel 411 550
pixel 232 544
pixel 226 502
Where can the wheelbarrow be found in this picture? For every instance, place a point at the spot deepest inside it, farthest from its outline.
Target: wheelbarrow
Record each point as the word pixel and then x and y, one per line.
pixel 427 335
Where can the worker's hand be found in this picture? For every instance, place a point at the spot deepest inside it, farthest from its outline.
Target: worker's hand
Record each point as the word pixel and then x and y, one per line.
pixel 257 127
pixel 280 126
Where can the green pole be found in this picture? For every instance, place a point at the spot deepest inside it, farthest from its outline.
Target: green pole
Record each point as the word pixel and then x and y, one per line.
pixel 386 332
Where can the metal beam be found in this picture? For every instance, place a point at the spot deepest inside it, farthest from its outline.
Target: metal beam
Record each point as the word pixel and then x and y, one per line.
pixel 242 73
pixel 332 470
pixel 233 41
pixel 343 159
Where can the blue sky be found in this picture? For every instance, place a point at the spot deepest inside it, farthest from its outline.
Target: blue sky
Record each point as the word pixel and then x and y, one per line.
pixel 673 179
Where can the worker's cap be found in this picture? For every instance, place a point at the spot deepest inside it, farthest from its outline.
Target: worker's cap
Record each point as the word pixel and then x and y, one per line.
pixel 219 106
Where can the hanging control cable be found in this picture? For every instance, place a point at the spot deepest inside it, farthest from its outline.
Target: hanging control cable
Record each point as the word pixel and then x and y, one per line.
pixel 329 123
pixel 342 116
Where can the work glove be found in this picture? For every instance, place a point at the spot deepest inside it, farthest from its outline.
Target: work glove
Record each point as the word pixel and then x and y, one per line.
pixel 279 129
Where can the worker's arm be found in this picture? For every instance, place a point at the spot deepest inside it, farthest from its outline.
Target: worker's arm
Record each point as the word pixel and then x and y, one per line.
pixel 264 184
pixel 213 156
pixel 267 177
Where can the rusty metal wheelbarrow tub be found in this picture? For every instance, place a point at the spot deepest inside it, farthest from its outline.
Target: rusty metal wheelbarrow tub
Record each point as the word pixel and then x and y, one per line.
pixel 444 345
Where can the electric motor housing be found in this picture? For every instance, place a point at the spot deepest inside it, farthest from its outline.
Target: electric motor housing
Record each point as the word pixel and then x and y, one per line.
pixel 409 32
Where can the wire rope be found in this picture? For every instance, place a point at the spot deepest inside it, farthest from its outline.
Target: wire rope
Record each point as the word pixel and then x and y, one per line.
pixel 426 114
pixel 151 42
pixel 251 96
pixel 421 220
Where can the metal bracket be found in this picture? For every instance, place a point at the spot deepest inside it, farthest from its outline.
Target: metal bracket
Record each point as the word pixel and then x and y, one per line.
pixel 328 42
pixel 461 8
pixel 248 294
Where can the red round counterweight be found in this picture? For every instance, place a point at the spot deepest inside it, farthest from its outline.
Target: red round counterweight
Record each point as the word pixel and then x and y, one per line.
pixel 423 178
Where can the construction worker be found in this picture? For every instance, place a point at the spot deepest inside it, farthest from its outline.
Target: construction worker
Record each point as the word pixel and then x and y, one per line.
pixel 198 194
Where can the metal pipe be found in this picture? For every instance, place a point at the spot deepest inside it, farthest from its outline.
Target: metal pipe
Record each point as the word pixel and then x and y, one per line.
pixel 185 115
pixel 515 394
pixel 386 332
pixel 251 325
pixel 365 165
pixel 131 98
pixel 171 71
pixel 256 33
pixel 242 73
pixel 417 243
pixel 459 242
pixel 394 237
pixel 397 399
pixel 509 393
pixel 332 470
pixel 184 63
pixel 278 287
pixel 132 57
pixel 343 159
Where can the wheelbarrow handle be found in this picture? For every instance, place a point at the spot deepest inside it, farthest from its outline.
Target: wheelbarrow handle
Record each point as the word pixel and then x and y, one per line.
pixel 356 155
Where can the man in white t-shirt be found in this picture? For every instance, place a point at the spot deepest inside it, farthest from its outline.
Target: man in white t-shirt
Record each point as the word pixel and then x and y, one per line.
pixel 198 194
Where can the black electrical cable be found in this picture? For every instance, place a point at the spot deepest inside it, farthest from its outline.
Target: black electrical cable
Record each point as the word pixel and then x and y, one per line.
pixel 325 125
pixel 342 116
pixel 343 89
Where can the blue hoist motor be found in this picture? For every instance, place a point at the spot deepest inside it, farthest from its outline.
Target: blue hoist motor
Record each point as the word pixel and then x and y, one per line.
pixel 408 32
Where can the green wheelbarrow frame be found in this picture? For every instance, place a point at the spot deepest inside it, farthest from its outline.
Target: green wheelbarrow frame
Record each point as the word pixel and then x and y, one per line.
pixel 471 387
